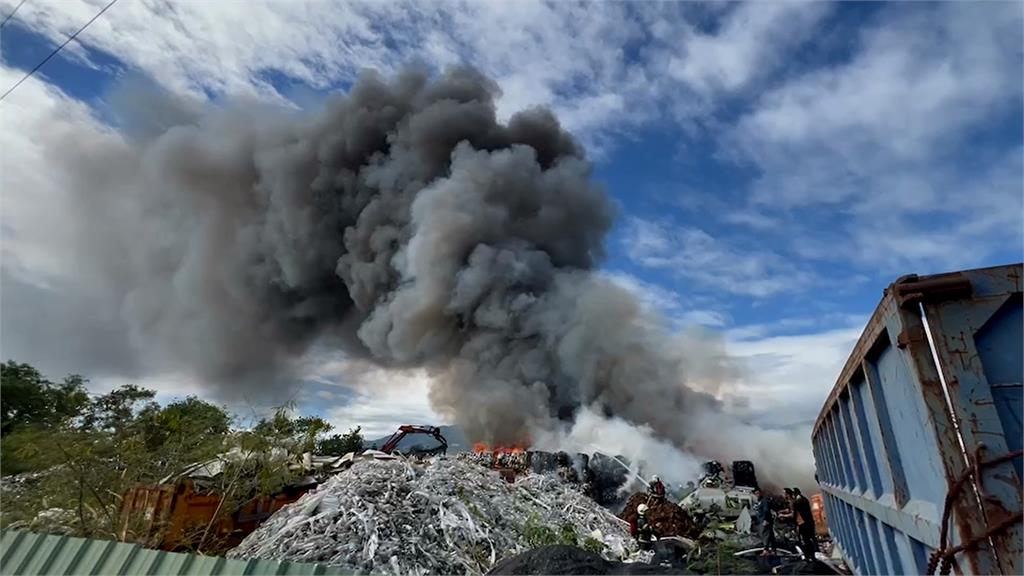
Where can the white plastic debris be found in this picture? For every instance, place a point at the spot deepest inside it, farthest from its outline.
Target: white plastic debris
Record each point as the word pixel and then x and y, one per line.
pixel 744 521
pixel 447 516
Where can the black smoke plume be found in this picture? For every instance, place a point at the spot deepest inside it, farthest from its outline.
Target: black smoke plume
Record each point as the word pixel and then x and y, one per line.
pixel 403 224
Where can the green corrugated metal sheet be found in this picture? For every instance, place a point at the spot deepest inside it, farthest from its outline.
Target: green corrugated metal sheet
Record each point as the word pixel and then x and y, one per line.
pixel 31 554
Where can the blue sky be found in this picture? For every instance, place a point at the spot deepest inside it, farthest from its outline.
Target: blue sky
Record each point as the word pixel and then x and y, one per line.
pixel 775 164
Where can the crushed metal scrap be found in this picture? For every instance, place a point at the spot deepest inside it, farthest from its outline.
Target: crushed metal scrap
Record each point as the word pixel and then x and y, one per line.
pixel 442 516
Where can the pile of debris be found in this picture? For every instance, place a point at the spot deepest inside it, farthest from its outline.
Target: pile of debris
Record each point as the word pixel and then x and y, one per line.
pixel 25 509
pixel 666 517
pixel 445 516
pixel 601 477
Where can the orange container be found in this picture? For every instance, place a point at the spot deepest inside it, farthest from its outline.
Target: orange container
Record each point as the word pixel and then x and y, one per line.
pixel 175 517
pixel 818 512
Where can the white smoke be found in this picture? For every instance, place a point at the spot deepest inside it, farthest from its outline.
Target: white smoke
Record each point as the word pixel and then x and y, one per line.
pixel 646 453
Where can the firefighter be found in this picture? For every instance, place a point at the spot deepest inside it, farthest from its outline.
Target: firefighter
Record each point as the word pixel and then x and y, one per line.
pixel 641 529
pixel 656 488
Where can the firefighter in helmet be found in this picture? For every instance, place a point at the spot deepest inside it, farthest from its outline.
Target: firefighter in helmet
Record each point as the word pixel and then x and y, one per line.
pixel 641 529
pixel 656 488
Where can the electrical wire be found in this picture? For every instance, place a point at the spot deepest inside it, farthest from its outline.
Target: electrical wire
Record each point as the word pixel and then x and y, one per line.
pixel 11 15
pixel 54 53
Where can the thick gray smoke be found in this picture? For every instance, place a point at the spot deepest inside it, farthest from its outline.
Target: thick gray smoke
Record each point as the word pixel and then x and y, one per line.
pixel 403 223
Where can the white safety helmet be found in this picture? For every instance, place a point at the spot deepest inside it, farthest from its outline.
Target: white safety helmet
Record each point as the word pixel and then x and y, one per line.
pixel 641 509
pixel 655 478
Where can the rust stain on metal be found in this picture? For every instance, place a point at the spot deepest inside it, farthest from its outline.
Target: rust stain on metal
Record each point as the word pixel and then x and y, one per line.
pixel 982 507
pixel 910 336
pixel 909 290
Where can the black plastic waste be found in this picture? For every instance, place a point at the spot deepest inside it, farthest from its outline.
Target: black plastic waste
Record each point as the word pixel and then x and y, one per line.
pixel 743 473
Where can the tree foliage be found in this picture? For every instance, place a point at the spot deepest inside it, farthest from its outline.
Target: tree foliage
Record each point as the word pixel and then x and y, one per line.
pixel 78 454
pixel 297 434
pixel 31 401
pixel 339 445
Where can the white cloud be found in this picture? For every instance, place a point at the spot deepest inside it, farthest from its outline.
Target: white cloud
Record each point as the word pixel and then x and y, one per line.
pixel 787 378
pixel 376 398
pixel 654 297
pixel 35 230
pixel 918 79
pixel 385 399
pixel 693 255
pixel 561 55
pixel 748 44
pixel 883 139
pixel 600 66
pixel 708 318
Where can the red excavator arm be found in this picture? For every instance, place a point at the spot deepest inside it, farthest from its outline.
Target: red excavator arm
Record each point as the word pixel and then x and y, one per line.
pixel 406 429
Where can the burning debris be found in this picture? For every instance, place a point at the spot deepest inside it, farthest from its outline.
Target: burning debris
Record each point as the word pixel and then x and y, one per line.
pixel 509 460
pixel 447 516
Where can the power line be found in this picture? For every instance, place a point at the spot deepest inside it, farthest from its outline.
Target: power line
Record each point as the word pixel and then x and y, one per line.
pixel 54 53
pixel 11 15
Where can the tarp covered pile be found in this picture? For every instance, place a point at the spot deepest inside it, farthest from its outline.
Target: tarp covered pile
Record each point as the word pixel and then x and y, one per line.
pixel 448 516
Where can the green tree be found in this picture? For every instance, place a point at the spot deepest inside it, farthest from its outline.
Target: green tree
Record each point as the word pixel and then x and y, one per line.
pixel 32 401
pixel 189 421
pixel 308 429
pixel 117 411
pixel 87 451
pixel 32 407
pixel 339 445
pixel 295 434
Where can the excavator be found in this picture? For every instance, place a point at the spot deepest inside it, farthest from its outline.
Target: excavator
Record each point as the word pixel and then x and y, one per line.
pixel 406 429
pixel 391 446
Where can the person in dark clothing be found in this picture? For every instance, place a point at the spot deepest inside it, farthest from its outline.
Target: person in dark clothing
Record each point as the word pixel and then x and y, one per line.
pixel 641 529
pixel 787 514
pixel 765 521
pixel 804 524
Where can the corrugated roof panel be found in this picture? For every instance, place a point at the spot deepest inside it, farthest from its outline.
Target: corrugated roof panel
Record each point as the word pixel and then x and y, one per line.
pixel 37 554
pixel 17 549
pixel 70 555
pixel 174 564
pixel 42 551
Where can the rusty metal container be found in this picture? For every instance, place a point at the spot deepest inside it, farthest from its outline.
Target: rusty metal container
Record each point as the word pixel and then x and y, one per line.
pixel 176 517
pixel 932 387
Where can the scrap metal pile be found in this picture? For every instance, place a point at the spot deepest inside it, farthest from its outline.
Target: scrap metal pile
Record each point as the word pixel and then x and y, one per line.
pixel 604 478
pixel 445 516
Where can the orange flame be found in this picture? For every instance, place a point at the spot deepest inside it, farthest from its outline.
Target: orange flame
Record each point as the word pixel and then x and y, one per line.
pixel 481 448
